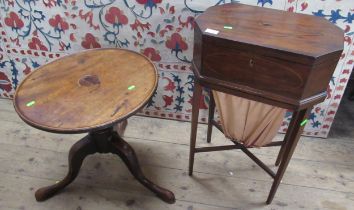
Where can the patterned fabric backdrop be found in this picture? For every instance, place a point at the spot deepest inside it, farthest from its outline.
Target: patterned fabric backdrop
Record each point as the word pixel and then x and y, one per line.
pixel 34 32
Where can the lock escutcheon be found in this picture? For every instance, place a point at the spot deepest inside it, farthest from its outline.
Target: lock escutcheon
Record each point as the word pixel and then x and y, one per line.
pixel 251 63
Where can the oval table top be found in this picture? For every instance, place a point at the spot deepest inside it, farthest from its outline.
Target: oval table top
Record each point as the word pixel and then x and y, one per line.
pixel 86 91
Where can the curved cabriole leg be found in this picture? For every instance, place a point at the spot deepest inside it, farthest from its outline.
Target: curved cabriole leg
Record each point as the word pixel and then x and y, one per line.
pixel 127 154
pixel 78 152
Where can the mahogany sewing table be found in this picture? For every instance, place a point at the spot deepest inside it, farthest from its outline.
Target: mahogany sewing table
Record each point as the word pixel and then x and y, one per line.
pixel 90 91
pixel 274 57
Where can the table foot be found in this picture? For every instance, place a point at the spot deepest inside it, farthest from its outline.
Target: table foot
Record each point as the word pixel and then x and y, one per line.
pixel 127 154
pixel 77 154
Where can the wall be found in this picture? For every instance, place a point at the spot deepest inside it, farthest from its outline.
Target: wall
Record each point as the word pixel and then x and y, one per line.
pixel 34 32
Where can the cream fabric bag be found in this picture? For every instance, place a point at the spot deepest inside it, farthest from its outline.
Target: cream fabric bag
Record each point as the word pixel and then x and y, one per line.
pixel 248 122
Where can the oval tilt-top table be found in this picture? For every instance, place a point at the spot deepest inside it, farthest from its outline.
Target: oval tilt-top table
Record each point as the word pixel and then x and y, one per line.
pixel 90 91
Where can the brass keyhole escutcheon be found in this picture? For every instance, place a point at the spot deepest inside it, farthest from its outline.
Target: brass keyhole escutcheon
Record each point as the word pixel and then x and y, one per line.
pixel 251 63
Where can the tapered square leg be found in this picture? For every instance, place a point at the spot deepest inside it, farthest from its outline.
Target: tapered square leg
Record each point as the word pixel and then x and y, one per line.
pixel 211 116
pixel 195 114
pixel 295 129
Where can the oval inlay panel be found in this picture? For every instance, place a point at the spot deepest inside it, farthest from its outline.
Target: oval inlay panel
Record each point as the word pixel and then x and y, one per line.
pixel 247 69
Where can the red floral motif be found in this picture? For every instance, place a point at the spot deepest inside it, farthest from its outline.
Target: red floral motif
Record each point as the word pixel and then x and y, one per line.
pixel 58 23
pixel 168 100
pixel 27 70
pixel 88 17
pixel 162 32
pixel 291 9
pixel 50 3
pixel 176 43
pixel 137 24
pixel 172 10
pixel 202 101
pixel 170 85
pixel 304 5
pixel 5 83
pixel 90 41
pixel 116 17
pixel 149 3
pixel 14 21
pixel 151 53
pixel 190 21
pixel 36 44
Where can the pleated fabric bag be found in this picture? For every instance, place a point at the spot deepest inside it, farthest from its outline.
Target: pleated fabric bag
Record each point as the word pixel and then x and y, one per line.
pixel 251 123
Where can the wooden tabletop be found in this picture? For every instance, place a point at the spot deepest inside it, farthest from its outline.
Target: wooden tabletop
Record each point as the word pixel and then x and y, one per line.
pixel 86 91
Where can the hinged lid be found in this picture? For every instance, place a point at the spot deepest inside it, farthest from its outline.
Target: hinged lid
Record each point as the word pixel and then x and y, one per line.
pixel 298 34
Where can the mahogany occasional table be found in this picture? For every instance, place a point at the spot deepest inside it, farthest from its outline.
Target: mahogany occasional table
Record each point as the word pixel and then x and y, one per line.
pixel 90 92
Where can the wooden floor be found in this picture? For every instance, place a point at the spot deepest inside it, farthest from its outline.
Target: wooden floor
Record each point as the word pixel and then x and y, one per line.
pixel 320 175
pixel 343 125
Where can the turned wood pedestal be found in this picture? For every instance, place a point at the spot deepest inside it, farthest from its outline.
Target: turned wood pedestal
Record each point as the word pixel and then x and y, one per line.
pixel 90 92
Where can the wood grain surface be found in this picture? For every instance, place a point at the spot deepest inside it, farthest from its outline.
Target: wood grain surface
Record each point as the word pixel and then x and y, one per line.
pixel 298 33
pixel 275 57
pixel 86 91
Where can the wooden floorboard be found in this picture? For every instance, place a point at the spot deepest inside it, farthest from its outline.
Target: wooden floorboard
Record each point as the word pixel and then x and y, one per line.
pixel 320 176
